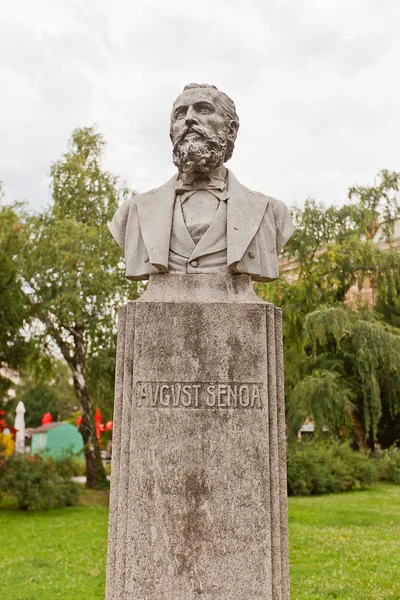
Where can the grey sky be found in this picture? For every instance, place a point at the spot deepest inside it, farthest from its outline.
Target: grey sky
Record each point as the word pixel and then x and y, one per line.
pixel 316 84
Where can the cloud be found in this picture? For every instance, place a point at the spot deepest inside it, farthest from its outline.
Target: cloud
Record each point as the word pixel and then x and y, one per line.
pixel 314 82
pixel 347 34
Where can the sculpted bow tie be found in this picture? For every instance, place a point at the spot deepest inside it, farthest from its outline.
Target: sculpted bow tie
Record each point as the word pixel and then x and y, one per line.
pixel 209 184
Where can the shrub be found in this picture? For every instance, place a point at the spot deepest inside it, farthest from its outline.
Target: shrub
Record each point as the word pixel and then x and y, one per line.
pixel 316 467
pixel 70 465
pixel 389 465
pixel 36 483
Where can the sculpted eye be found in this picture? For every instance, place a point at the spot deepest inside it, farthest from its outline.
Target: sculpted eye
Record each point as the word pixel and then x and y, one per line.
pixel 205 109
pixel 180 113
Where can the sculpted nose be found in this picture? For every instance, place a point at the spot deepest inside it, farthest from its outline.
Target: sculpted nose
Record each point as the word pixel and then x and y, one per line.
pixel 191 118
pixel 189 122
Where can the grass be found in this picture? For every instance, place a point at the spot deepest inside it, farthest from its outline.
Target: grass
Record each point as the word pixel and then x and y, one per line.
pixel 344 546
pixel 57 554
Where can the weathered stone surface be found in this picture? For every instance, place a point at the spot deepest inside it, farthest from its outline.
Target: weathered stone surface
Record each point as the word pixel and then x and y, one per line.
pixel 198 497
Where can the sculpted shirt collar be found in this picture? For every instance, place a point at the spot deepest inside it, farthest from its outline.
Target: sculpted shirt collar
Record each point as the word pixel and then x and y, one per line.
pixel 213 181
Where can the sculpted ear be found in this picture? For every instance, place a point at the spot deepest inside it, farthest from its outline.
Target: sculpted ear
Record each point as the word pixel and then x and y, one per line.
pixel 233 128
pixel 284 225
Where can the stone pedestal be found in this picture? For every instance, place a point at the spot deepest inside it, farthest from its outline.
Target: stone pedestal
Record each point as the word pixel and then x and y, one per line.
pixel 198 490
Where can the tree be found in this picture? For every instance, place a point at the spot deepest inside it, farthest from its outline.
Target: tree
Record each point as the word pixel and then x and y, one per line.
pixel 342 364
pixel 73 274
pixel 44 390
pixel 101 376
pixel 354 370
pixel 13 308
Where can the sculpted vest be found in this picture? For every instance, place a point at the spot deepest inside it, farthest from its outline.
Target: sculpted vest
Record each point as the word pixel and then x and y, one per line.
pixel 209 255
pixel 257 229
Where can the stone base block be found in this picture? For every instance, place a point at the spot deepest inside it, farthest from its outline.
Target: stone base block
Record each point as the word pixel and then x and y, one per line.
pixel 198 490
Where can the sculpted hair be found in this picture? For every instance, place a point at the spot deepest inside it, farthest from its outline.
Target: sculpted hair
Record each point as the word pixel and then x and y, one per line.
pixel 229 108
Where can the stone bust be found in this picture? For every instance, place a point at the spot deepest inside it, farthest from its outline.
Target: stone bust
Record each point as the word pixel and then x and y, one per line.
pixel 202 220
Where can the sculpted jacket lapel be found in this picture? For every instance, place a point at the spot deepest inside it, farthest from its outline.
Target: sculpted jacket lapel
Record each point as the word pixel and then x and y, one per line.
pixel 155 212
pixel 245 212
pixel 181 242
pixel 214 238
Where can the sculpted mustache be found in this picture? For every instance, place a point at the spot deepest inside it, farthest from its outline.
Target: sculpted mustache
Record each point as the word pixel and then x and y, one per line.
pixel 193 129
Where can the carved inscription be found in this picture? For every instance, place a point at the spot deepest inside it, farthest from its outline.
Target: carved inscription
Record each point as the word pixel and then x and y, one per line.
pixel 151 394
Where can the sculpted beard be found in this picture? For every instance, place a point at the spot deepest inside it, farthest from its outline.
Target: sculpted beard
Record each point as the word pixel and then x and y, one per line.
pixel 202 153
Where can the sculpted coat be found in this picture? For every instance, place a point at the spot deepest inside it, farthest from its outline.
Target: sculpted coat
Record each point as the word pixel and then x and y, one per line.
pixel 248 236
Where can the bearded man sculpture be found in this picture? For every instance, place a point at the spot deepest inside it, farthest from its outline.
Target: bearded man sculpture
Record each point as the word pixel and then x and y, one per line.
pixel 202 220
pixel 198 501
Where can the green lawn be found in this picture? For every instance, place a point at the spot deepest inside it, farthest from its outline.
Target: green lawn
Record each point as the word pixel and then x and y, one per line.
pixel 56 554
pixel 346 546
pixel 343 546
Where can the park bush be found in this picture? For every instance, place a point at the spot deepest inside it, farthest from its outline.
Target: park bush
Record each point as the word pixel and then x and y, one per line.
pixel 316 467
pixel 37 483
pixel 389 465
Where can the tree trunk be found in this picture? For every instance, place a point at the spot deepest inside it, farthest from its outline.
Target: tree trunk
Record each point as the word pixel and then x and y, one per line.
pixel 359 432
pixel 76 359
pixel 95 474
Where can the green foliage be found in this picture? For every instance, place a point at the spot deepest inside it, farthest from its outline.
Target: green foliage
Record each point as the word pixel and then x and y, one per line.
pixel 13 307
pixel 367 360
pixel 317 467
pixel 322 396
pixel 334 245
pixel 38 398
pixel 101 378
pixel 389 464
pixel 82 190
pixel 74 277
pixel 70 263
pixel 44 391
pixel 381 200
pixel 38 484
pixel 342 365
pixel 345 371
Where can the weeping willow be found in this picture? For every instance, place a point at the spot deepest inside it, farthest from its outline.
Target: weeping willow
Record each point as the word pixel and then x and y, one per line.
pixel 342 366
pixel 324 396
pixel 355 365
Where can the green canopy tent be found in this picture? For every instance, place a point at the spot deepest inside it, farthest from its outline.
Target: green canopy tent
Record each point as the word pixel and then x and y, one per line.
pixel 56 439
